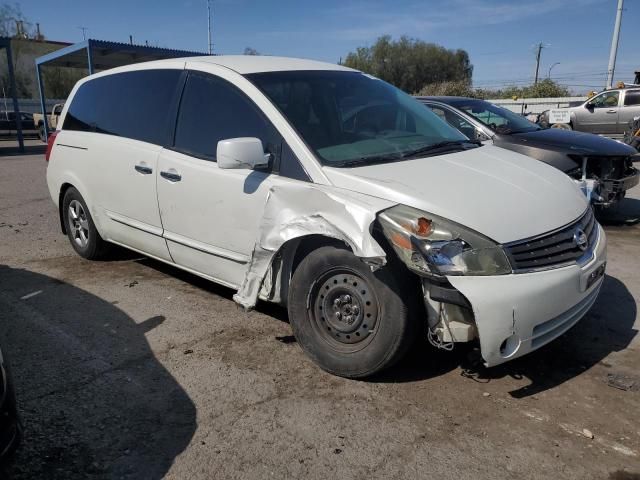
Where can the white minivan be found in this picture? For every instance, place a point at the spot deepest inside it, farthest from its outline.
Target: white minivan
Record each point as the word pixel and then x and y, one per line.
pixel 331 192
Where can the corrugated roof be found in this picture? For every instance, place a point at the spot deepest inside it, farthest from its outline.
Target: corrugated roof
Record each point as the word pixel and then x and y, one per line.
pixel 107 54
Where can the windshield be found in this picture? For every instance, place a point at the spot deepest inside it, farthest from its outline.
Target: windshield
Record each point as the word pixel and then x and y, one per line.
pixel 498 119
pixel 350 118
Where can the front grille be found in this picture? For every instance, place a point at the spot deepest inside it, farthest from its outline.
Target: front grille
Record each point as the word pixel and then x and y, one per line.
pixel 553 249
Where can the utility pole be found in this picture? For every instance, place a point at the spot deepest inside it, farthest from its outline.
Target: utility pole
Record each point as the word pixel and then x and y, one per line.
pixel 84 32
pixel 539 48
pixel 614 45
pixel 209 27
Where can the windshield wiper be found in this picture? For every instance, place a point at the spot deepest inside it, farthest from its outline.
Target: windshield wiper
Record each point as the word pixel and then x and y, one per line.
pixel 369 160
pixel 523 130
pixel 440 146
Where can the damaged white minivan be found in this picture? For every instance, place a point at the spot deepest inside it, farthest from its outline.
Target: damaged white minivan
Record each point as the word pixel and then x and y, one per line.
pixel 331 192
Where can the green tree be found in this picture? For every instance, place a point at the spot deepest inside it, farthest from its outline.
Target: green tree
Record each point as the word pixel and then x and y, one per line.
pixel 544 89
pixel 410 64
pixel 58 82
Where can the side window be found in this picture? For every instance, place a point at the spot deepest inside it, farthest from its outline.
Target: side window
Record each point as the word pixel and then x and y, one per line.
pixel 211 109
pixel 290 166
pixel 606 100
pixel 632 97
pixel 129 104
pixel 459 123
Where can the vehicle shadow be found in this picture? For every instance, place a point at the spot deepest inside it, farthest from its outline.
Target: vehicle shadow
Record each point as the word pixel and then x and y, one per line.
pixel 627 212
pixel 273 310
pixel 607 328
pixel 94 399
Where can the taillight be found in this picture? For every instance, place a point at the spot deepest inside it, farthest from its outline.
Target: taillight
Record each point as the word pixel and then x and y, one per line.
pixel 50 140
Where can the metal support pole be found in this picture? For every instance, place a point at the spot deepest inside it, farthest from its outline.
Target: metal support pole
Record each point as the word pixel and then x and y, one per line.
pixel 90 57
pixel 614 45
pixel 209 26
pixel 42 104
pixel 14 95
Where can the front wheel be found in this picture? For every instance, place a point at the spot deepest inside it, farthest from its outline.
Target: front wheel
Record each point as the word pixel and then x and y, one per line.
pixel 352 322
pixel 562 126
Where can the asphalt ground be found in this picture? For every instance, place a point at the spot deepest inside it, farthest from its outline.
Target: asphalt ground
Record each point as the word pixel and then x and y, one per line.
pixel 130 368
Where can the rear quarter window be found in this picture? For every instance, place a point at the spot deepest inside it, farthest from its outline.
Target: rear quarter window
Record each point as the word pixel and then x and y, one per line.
pixel 632 97
pixel 130 104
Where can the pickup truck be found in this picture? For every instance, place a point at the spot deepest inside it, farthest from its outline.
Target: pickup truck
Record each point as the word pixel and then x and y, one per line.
pixel 607 113
pixel 52 120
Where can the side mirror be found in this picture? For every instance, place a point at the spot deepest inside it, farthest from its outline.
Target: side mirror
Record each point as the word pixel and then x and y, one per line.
pixel 243 153
pixel 589 105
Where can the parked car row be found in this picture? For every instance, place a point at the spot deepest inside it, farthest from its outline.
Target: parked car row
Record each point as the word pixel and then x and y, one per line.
pixel 603 167
pixel 9 124
pixel 369 216
pixel 52 120
pixel 607 113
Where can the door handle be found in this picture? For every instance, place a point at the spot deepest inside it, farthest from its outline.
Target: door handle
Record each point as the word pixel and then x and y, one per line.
pixel 612 111
pixel 143 169
pixel 171 176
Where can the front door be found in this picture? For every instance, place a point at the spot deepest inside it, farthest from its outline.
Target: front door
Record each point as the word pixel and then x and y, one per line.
pixel 599 114
pixel 211 216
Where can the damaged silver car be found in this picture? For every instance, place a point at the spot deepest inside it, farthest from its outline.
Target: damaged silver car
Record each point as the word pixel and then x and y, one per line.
pixel 329 191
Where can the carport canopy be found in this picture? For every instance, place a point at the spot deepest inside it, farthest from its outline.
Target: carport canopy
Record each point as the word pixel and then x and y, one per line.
pixel 101 55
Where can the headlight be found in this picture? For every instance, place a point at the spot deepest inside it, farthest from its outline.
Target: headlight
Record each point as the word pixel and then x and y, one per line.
pixel 431 245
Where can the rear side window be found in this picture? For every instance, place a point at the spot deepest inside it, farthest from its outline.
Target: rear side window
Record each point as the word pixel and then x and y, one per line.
pixel 130 104
pixel 211 110
pixel 632 97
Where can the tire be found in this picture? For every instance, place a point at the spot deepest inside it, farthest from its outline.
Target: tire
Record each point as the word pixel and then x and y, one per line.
pixel 562 126
pixel 81 230
pixel 368 328
pixel 41 135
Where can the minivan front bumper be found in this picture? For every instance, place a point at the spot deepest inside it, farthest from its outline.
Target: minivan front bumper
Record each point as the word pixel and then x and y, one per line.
pixel 516 314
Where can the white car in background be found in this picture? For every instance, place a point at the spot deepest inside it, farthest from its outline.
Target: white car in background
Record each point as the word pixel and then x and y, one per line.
pixel 333 193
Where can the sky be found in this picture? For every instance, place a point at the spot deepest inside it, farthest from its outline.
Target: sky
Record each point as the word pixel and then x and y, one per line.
pixel 499 35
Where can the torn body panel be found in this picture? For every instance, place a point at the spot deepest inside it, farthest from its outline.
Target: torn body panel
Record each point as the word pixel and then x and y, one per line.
pixel 516 314
pixel 295 211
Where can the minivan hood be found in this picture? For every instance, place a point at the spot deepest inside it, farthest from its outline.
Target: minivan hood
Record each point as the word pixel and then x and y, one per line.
pixel 499 193
pixel 570 141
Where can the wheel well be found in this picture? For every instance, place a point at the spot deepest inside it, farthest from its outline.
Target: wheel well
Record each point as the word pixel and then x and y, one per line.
pixel 309 243
pixel 63 190
pixel 289 257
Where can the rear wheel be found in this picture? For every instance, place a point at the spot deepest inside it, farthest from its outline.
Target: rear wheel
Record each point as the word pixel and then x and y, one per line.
pixel 350 321
pixel 81 230
pixel 41 134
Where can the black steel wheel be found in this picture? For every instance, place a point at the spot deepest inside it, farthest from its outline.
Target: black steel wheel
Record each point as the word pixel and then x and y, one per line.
pixel 351 321
pixel 345 310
